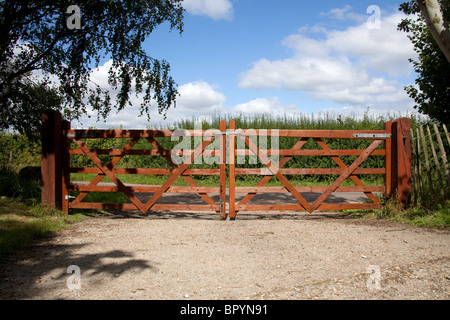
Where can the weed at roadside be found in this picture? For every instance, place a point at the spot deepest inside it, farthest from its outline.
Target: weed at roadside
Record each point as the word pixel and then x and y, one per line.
pixel 436 217
pixel 21 223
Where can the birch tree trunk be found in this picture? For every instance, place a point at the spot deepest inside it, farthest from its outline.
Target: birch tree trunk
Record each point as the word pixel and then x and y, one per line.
pixel 438 26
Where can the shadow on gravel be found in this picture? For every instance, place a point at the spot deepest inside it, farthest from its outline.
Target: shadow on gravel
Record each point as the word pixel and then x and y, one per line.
pixel 261 198
pixel 22 272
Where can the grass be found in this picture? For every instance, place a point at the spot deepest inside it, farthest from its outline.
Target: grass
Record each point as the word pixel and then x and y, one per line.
pixel 22 222
pixel 22 218
pixel 437 217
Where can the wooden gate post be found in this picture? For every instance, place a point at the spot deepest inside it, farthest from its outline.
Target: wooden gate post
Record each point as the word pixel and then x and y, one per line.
pixel 401 161
pixel 51 194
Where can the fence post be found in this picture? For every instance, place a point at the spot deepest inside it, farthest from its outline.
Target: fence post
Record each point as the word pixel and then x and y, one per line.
pixel 51 194
pixel 401 161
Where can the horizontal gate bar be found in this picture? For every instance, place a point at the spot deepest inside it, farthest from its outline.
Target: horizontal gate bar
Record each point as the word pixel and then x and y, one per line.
pixel 337 134
pixel 308 171
pixel 131 206
pixel 240 171
pixel 144 189
pixel 298 207
pixel 97 133
pixel 146 152
pixel 154 171
pixel 308 189
pixel 182 189
pixel 120 152
pixel 331 152
pixel 258 207
pixel 239 152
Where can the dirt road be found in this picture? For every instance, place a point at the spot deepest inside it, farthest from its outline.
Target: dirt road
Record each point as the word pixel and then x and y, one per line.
pixel 284 255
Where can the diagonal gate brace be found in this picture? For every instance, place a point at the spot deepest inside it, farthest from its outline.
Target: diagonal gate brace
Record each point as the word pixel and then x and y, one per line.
pixel 347 172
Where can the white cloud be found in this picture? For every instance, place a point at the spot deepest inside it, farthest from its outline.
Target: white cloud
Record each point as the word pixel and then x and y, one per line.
pixel 215 9
pixel 271 106
pixel 99 76
pixel 344 13
pixel 355 67
pixel 385 49
pixel 199 98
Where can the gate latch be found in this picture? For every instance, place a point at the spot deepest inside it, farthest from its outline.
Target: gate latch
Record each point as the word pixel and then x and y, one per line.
pixel 69 197
pixel 372 135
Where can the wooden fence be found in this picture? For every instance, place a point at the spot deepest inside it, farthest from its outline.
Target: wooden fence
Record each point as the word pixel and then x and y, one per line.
pixel 430 146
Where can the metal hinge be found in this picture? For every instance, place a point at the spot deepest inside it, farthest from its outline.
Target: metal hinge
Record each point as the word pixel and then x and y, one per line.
pixel 239 131
pixel 372 135
pixel 69 197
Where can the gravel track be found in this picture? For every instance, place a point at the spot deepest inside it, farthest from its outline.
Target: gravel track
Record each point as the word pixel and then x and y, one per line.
pixel 260 255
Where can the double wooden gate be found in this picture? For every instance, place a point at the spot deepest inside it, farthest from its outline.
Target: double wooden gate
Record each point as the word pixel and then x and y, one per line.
pixel 228 147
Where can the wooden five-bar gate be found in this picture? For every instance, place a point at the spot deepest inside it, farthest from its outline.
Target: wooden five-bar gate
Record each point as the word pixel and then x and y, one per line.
pixel 392 143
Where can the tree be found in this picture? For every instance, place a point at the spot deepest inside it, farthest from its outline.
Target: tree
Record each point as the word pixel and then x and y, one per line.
pixel 48 49
pixel 437 23
pixel 431 91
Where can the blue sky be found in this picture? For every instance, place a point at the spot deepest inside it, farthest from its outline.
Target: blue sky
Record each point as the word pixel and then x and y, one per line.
pixel 283 57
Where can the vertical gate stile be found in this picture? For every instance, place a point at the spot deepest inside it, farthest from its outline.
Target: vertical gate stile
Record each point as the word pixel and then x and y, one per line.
pixel 388 160
pixel 231 173
pixel 65 167
pixel 222 166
